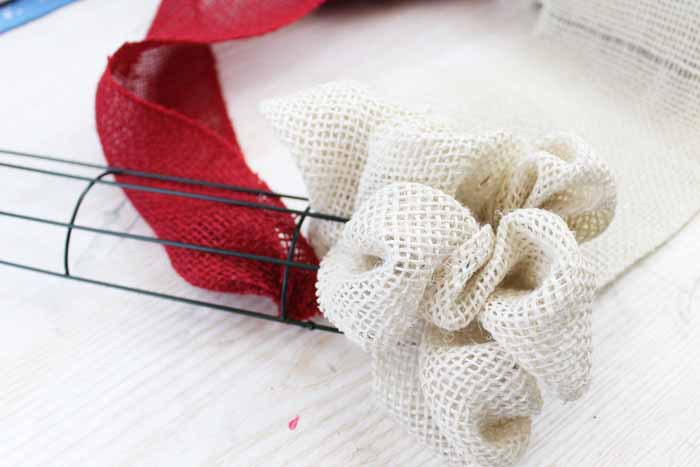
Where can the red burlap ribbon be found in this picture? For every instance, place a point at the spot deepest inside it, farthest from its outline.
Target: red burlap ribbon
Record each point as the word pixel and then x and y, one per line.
pixel 159 108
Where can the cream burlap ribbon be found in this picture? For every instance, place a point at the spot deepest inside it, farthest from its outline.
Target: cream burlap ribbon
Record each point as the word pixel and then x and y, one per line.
pixel 460 270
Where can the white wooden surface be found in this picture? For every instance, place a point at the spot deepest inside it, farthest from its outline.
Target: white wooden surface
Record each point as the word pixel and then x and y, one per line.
pixel 97 377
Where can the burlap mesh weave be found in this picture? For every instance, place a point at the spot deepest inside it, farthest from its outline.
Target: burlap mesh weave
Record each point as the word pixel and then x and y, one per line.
pixel 375 279
pixel 624 76
pixel 330 149
pixel 621 73
pixel 481 400
pixel 539 309
pixel 396 386
pixel 460 270
pixel 159 108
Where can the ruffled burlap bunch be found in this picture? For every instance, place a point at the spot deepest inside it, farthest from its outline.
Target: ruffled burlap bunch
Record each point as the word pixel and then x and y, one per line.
pixel 460 270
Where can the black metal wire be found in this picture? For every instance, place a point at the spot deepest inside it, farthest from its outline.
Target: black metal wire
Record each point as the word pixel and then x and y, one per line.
pixel 69 231
pixel 160 241
pixel 167 178
pixel 253 314
pixel 290 257
pixel 166 191
pixel 106 171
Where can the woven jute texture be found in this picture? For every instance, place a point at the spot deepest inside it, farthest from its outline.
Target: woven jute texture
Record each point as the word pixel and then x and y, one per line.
pixel 460 270
pixel 471 262
pixel 159 108
pixel 623 75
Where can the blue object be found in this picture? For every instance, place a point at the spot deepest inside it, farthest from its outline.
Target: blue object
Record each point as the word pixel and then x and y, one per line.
pixel 17 12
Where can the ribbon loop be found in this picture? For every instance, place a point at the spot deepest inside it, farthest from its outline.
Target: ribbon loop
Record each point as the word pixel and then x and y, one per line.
pixel 479 397
pixel 460 270
pixel 372 281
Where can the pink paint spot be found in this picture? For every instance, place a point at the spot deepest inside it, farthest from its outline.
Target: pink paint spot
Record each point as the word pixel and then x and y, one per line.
pixel 293 423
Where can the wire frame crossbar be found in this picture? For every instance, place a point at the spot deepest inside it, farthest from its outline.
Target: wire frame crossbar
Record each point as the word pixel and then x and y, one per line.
pixel 105 171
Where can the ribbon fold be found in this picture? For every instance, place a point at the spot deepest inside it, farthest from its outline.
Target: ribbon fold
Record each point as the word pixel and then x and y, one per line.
pixel 460 270
pixel 159 108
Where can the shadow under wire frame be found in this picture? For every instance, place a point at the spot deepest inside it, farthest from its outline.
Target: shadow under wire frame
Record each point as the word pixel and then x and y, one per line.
pixel 99 179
